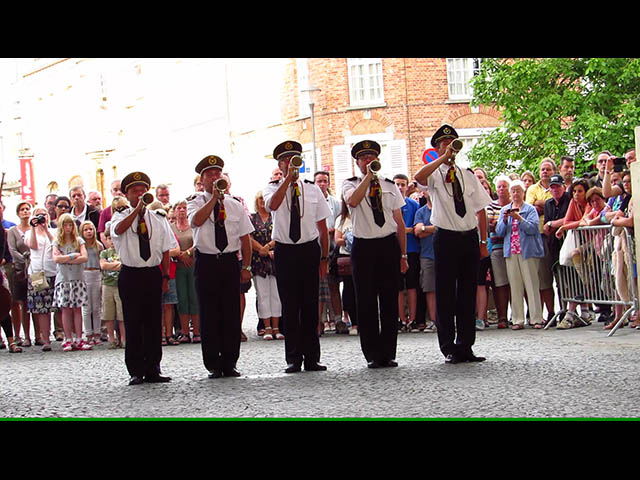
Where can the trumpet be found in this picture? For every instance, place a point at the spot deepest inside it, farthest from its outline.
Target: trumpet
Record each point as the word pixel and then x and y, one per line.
pixel 221 186
pixel 296 163
pixel 374 166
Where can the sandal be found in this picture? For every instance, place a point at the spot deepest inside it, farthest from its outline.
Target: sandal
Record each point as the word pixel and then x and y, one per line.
pixel 277 335
pixel 517 326
pixel 503 324
pixel 267 334
pixel 172 341
pixel 184 339
pixel 14 348
pixel 196 339
pixel 164 341
pixel 26 342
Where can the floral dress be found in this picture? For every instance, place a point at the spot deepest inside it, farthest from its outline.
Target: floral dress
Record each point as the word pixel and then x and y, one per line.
pixel 262 266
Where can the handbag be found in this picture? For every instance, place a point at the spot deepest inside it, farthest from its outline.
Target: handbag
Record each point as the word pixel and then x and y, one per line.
pixel 39 280
pixel 344 266
pixel 568 246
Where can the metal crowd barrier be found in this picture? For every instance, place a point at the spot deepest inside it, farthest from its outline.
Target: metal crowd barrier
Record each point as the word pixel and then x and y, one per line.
pixel 603 271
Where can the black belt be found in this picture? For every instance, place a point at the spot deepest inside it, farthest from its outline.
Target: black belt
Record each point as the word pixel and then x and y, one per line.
pixel 462 233
pixel 217 256
pixel 127 267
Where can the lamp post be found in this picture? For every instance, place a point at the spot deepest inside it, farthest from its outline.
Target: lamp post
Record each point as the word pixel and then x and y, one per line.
pixel 310 91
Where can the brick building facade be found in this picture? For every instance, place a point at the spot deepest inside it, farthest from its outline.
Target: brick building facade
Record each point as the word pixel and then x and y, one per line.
pixel 402 103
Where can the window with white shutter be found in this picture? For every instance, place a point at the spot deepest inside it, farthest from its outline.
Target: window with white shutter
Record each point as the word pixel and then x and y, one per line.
pixel 343 167
pixel 365 81
pixel 460 71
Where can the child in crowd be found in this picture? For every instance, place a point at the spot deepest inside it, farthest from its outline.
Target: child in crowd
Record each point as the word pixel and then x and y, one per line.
pixel 91 316
pixel 70 293
pixel 111 303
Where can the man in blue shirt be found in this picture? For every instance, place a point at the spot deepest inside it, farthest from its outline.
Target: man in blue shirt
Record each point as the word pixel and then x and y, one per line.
pixel 409 281
pixel 423 230
pixel 5 223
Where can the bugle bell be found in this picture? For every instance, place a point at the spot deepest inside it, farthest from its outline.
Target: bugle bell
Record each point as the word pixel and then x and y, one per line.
pixel 221 185
pixel 456 146
pixel 375 166
pixel 147 199
pixel 295 163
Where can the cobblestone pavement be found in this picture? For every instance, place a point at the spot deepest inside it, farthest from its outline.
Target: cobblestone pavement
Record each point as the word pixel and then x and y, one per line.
pixel 528 374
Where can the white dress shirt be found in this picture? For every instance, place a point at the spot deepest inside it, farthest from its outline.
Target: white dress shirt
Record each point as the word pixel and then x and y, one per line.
pixel 443 213
pixel 336 207
pixel 161 238
pixel 237 224
pixel 313 208
pixel 364 225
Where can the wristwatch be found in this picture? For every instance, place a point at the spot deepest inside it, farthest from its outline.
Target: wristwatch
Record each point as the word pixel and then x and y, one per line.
pixel 405 256
pixel 247 268
pixel 324 258
pixel 166 277
pixel 423 228
pixel 483 242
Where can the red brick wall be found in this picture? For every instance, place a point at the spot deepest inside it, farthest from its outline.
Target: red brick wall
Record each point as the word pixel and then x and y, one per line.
pixel 415 94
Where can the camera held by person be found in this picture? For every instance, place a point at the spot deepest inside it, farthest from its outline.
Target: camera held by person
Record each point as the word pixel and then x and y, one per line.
pixel 619 164
pixel 38 220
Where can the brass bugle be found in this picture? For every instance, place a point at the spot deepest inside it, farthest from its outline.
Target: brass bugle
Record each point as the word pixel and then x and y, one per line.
pixel 296 163
pixel 147 198
pixel 456 146
pixel 221 185
pixel 375 166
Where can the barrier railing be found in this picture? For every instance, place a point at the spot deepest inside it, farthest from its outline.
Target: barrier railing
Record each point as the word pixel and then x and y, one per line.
pixel 600 270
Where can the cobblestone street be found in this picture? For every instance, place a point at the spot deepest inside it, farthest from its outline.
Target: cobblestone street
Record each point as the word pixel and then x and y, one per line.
pixel 528 374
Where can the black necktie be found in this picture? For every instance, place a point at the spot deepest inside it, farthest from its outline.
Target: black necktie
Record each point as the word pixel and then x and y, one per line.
pixel 220 231
pixel 143 237
pixel 458 197
pixel 294 224
pixel 375 199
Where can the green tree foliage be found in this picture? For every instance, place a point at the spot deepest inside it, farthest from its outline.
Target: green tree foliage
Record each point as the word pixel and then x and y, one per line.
pixel 556 106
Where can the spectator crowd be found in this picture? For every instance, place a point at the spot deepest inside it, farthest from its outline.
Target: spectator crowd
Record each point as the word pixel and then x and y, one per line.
pixel 60 265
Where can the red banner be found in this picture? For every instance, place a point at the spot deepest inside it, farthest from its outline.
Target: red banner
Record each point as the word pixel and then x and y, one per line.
pixel 27 184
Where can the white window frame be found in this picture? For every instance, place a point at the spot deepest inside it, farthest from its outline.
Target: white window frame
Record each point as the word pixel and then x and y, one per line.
pixel 460 71
pixel 366 85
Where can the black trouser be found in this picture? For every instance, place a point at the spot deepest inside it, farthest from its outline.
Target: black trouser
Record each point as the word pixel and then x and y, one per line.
pixel 141 294
pixel 375 264
pixel 217 279
pixel 298 286
pixel 457 258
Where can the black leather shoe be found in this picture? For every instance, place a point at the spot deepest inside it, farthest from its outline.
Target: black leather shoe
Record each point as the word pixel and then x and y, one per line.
pixel 293 368
pixel 391 363
pixel 136 381
pixel 472 358
pixel 452 358
pixel 231 372
pixel 314 367
pixel 215 374
pixel 157 379
pixel 373 364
